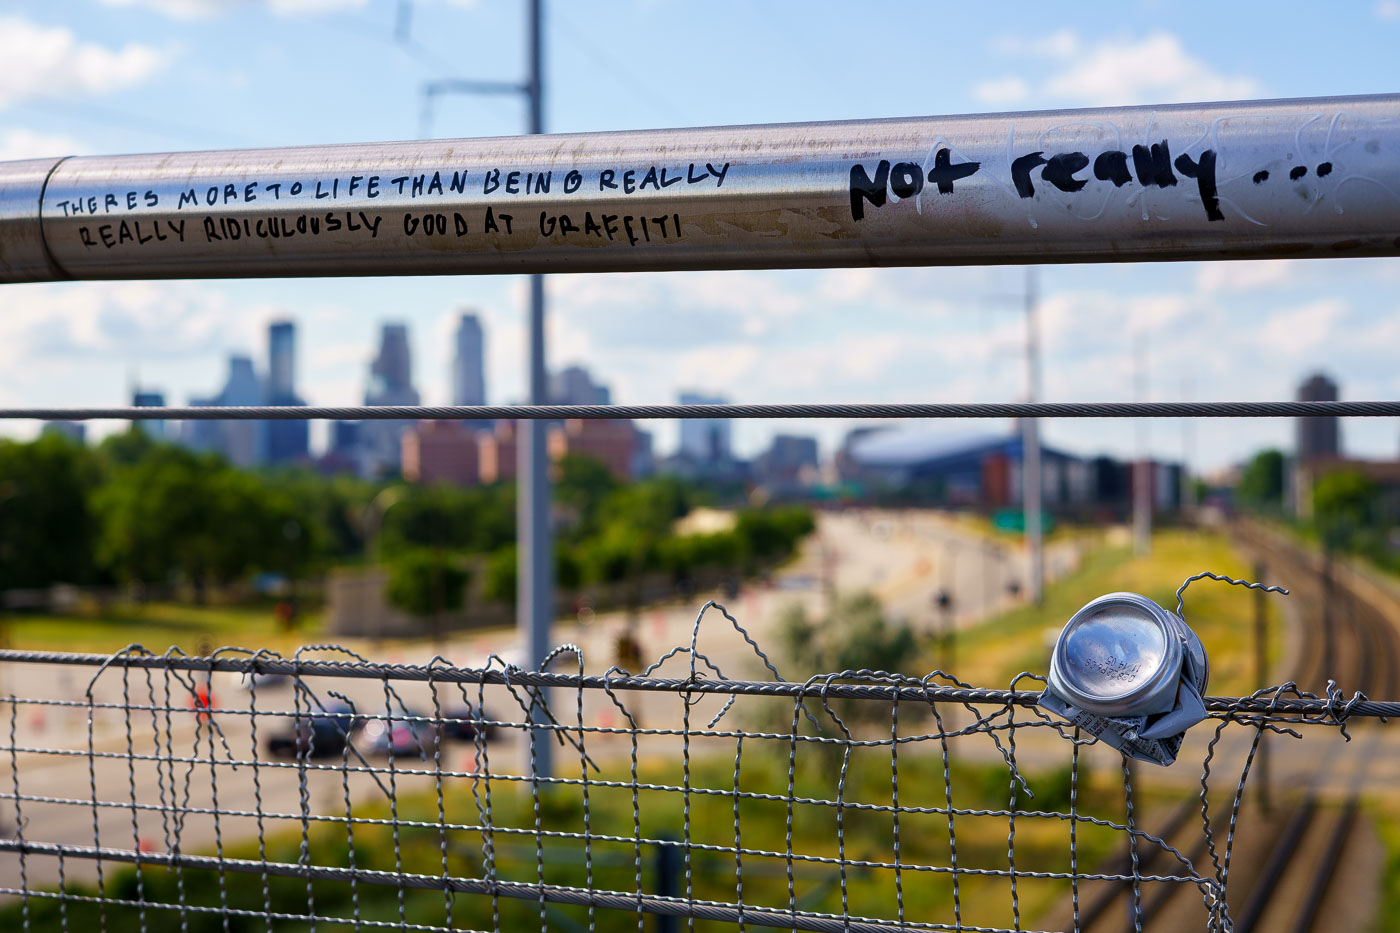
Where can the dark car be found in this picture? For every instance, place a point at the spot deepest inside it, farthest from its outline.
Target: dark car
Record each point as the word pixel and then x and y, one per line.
pixel 463 723
pixel 407 735
pixel 316 736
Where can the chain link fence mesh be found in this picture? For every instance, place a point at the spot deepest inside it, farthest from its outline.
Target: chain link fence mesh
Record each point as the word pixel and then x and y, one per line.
pixel 248 791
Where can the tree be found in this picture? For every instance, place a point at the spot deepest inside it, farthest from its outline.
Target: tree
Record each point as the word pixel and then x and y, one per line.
pixel 1261 482
pixel 1343 505
pixel 478 520
pixel 427 582
pixel 47 526
pixel 583 484
pixel 177 513
pixel 854 636
pixel 500 584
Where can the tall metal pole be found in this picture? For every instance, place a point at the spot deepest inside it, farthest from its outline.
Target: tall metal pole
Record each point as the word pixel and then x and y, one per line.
pixel 535 566
pixel 1261 680
pixel 1187 493
pixel 1030 452
pixel 1142 470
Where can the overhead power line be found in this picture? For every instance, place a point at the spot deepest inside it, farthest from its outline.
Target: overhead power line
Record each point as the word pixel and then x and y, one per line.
pixel 935 410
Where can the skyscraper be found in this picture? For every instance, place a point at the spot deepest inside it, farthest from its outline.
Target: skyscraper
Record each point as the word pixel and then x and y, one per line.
pixel 287 441
pixel 149 398
pixel 1318 436
pixel 390 383
pixel 242 442
pixel 469 365
pixel 391 373
pixel 706 440
pixel 281 359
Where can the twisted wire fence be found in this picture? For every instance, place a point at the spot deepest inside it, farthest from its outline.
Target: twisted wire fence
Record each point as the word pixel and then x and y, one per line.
pixel 247 790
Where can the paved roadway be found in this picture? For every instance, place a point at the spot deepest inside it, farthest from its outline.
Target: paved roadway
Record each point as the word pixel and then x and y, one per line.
pixel 904 557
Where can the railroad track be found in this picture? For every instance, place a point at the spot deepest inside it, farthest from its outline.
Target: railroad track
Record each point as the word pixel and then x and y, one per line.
pixel 1350 633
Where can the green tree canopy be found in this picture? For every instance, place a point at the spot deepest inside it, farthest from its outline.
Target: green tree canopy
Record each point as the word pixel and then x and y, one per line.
pixel 47 527
pixel 1343 504
pixel 1261 482
pixel 425 582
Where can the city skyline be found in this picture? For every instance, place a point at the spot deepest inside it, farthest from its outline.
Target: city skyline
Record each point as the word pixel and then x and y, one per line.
pixel 390 382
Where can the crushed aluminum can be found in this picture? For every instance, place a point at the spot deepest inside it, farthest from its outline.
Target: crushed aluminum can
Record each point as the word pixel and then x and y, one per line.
pixel 1131 673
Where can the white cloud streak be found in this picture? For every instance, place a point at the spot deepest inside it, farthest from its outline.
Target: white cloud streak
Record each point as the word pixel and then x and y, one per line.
pixel 21 143
pixel 50 61
pixel 1153 69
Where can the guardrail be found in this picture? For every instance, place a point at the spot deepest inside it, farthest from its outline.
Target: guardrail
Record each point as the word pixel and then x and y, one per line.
pixel 1296 178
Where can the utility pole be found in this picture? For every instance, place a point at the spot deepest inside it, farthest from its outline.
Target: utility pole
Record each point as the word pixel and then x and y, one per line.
pixel 535 550
pixel 535 567
pixel 1030 452
pixel 1142 470
pixel 1187 493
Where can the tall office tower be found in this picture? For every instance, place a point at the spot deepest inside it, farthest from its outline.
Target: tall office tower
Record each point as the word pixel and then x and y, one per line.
pixel 149 398
pixel 705 440
pixel 1318 436
pixel 390 383
pixel 391 373
pixel 281 359
pixel 469 365
pixel 287 441
pixel 242 442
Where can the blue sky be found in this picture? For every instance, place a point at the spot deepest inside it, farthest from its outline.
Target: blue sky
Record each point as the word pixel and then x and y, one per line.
pixel 92 76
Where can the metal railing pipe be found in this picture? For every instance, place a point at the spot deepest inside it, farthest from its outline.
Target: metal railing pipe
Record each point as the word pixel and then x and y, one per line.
pixel 1301 178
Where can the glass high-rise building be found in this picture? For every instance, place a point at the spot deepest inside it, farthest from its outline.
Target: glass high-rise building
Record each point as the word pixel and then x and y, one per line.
pixel 706 440
pixel 469 363
pixel 391 373
pixel 286 441
pixel 390 383
pixel 281 358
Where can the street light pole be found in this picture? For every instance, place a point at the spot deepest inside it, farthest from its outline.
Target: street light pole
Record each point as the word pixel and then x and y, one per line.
pixel 1030 452
pixel 1143 469
pixel 534 551
pixel 535 566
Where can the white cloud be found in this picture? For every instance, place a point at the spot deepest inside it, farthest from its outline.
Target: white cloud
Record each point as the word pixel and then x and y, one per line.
pixel 1245 275
pixel 1302 331
pixel 1002 91
pixel 88 320
pixel 1061 44
pixel 1388 10
pixel 205 9
pixel 21 143
pixel 1155 69
pixel 47 61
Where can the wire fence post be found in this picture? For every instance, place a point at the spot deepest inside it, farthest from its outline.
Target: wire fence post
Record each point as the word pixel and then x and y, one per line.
pixel 1328 594
pixel 1261 679
pixel 668 869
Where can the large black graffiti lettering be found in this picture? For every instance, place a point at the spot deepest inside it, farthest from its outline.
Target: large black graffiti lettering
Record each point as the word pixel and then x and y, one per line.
pixel 904 180
pixel 1151 166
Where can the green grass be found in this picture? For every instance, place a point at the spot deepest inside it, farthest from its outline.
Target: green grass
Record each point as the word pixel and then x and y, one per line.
pixel 1020 639
pixel 157 626
pixel 1041 844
